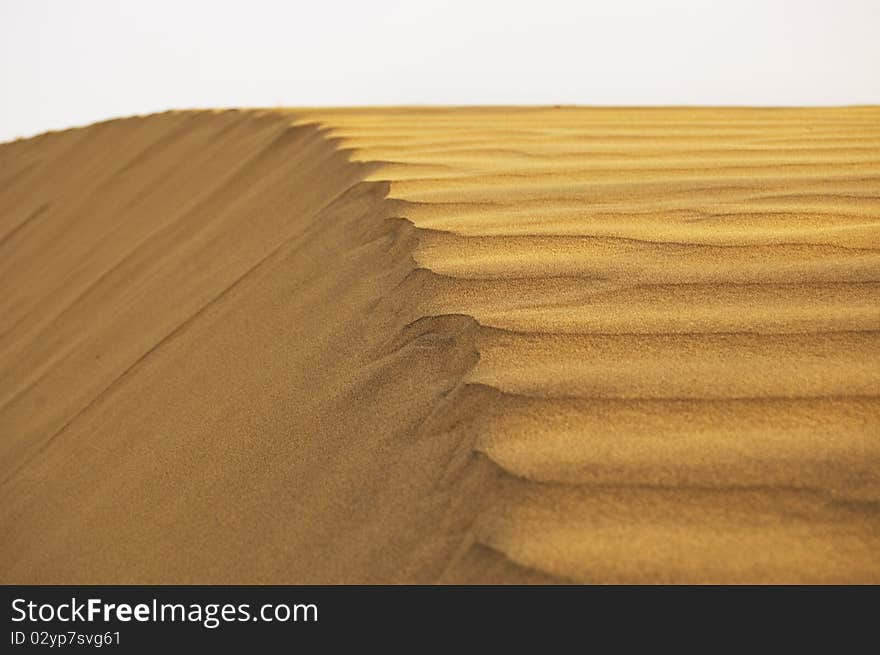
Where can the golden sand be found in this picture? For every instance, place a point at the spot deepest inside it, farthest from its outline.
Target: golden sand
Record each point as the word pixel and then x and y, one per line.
pixel 443 345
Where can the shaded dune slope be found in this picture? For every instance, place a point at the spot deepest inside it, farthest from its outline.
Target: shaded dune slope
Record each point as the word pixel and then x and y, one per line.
pixel 467 345
pixel 207 376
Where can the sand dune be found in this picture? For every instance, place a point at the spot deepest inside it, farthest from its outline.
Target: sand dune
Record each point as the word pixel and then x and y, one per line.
pixel 443 345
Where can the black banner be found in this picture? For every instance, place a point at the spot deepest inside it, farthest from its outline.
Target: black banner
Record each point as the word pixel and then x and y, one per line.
pixel 148 619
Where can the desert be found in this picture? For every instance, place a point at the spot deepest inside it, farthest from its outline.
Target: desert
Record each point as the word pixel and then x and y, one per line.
pixel 443 345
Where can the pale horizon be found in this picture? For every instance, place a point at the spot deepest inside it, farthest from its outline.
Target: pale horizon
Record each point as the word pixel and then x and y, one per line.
pixel 73 64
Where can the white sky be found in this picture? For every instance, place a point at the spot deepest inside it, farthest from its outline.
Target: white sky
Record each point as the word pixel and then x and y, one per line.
pixel 67 63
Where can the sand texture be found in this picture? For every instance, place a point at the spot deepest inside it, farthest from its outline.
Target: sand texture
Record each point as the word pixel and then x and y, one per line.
pixel 499 345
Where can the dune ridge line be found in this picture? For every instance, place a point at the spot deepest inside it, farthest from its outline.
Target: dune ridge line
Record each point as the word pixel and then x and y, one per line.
pixel 443 345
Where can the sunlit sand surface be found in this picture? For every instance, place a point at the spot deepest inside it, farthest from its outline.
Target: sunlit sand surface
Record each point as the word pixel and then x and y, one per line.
pixel 494 345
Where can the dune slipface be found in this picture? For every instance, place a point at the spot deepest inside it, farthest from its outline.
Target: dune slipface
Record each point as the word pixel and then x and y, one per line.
pixel 443 345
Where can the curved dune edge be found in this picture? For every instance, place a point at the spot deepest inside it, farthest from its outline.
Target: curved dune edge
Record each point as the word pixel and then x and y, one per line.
pixel 489 345
pixel 216 372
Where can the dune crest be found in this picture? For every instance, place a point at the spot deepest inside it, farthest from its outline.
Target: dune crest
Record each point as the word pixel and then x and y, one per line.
pixel 443 345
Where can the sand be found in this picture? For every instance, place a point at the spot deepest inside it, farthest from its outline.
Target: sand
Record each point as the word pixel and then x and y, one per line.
pixel 497 345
